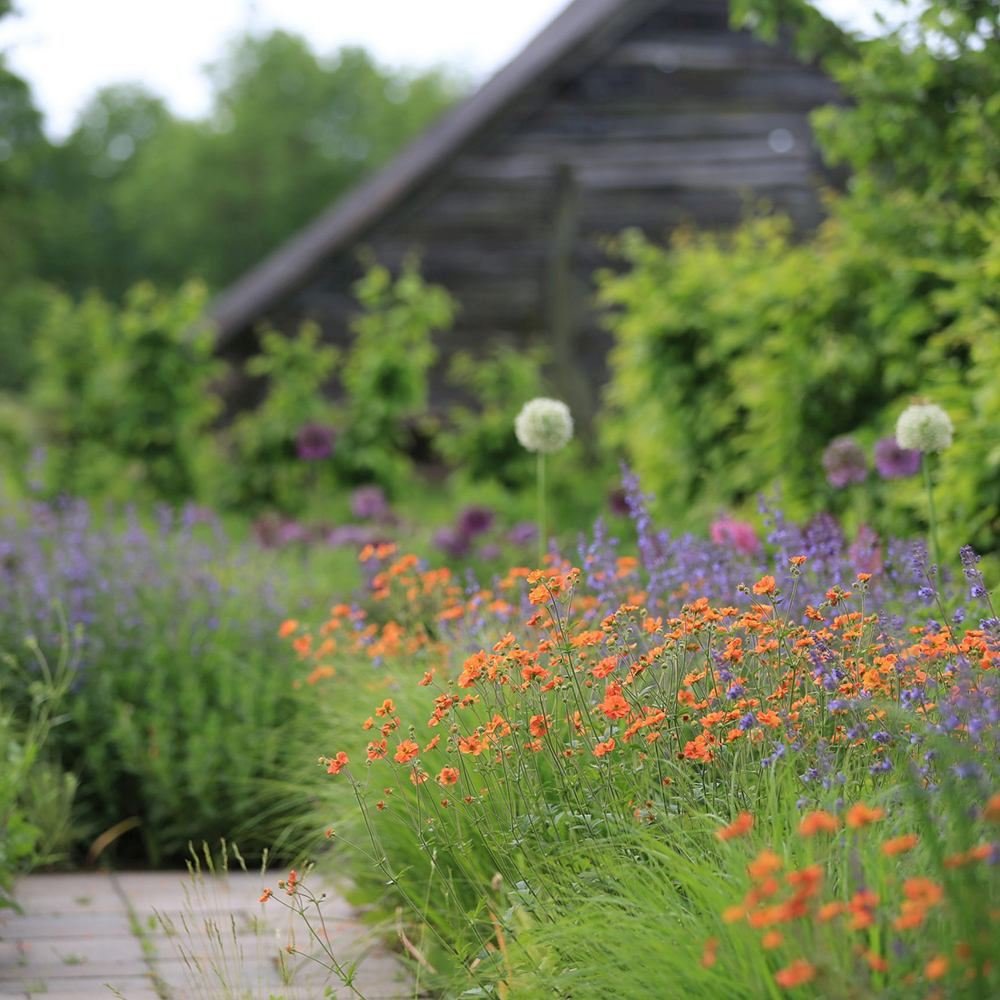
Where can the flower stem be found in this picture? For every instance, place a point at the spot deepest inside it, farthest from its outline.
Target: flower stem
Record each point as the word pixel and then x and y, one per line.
pixel 925 464
pixel 541 510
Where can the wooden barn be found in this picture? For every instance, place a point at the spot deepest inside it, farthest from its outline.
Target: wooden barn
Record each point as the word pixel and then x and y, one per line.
pixel 621 113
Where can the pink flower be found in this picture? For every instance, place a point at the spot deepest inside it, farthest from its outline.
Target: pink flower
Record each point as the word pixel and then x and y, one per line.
pixel 738 535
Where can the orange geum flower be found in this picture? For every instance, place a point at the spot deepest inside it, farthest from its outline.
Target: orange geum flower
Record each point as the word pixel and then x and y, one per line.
pixel 418 777
pixel 387 707
pixel 796 974
pixel 936 968
pixel 473 744
pixel 448 776
pixel 860 815
pixel 739 827
pixel 426 679
pixel 991 811
pixel 604 748
pixel 708 957
pixel 337 764
pixel 433 743
pixel 922 890
pixel 828 911
pixel 818 821
pixel 768 718
pixel 287 627
pixel 265 896
pixel 614 705
pixel 900 845
pixel 538 725
pixel 377 749
pixel 765 585
pixel 406 751
pixel 766 863
pixel 772 939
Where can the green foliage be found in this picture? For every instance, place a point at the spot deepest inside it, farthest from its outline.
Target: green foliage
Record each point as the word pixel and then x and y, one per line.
pixel 124 395
pixel 265 468
pixel 385 375
pixel 479 441
pixel 738 359
pixel 35 796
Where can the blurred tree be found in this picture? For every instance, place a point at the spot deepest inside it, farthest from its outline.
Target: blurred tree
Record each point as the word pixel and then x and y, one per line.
pixel 288 133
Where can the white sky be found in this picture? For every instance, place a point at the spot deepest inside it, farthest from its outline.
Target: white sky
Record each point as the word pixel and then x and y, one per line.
pixel 67 49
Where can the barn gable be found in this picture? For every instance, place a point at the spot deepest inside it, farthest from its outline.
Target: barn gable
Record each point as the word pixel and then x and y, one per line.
pixel 645 113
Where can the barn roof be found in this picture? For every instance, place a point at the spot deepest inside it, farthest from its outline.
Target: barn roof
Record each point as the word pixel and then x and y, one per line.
pixel 563 40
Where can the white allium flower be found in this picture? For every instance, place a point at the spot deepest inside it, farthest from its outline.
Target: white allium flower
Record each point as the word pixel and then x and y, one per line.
pixel 544 425
pixel 924 427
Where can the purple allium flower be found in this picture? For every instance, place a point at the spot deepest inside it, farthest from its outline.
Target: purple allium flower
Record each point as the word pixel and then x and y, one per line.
pixel 368 503
pixel 452 542
pixel 314 442
pixel 475 520
pixel 618 502
pixel 894 462
pixel 844 462
pixel 738 535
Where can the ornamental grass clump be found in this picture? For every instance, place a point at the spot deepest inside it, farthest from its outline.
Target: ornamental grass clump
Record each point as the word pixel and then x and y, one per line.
pixel 641 742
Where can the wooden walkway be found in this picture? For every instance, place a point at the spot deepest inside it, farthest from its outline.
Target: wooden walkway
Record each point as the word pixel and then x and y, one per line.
pixel 168 936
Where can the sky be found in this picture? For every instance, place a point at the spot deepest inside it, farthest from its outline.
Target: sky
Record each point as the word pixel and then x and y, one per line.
pixel 67 49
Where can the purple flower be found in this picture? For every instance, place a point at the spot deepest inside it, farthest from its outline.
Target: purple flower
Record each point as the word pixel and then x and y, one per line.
pixel 475 521
pixel 314 442
pixel 893 462
pixel 523 533
pixel 368 503
pixel 453 542
pixel 865 552
pixel 844 462
pixel 618 502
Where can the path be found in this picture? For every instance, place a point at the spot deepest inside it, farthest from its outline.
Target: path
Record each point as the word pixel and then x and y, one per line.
pixel 92 936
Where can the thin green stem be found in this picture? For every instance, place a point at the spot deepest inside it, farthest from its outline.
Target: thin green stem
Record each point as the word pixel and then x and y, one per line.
pixel 925 464
pixel 542 540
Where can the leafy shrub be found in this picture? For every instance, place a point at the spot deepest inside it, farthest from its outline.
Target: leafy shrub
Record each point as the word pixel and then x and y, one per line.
pixel 738 359
pixel 385 375
pixel 179 718
pixel 35 795
pixel 124 394
pixel 266 468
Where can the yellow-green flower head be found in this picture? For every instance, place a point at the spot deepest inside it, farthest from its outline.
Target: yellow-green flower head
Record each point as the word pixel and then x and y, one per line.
pixel 544 425
pixel 924 427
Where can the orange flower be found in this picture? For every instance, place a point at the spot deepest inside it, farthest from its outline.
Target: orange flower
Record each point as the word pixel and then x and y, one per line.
pixel 614 705
pixel 377 749
pixel 426 679
pixel 708 958
pixel 538 725
pixel 828 911
pixel 765 585
pixel 739 827
pixel 448 776
pixel 766 863
pixel 936 968
pixel 337 764
pixel 818 821
pixel 991 811
pixel 772 939
pixel 418 777
pixel 287 628
pixel 265 896
pixel 860 815
pixel 386 708
pixel 767 718
pixel 900 845
pixel 797 560
pixel 406 751
pixel 471 744
pixel 876 961
pixel 796 974
pixel 604 748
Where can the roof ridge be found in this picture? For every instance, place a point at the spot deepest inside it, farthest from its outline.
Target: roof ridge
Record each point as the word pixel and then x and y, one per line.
pixel 352 213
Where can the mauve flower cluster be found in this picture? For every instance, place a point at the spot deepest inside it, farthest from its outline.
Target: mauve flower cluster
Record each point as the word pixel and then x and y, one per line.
pixel 845 463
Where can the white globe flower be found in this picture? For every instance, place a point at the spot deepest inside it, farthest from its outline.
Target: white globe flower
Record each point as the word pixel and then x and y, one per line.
pixel 544 425
pixel 924 427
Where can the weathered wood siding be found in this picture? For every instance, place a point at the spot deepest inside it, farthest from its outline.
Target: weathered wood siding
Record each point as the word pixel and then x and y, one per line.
pixel 682 121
